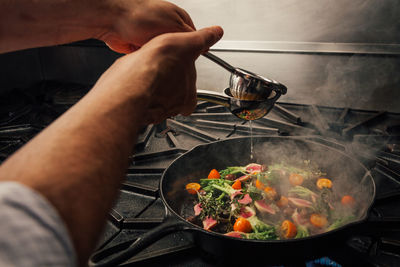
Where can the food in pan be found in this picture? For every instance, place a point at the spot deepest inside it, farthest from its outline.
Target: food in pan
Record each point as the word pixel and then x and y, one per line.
pixel 278 201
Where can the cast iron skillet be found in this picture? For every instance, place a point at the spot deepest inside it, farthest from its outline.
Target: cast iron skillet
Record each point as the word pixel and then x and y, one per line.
pixel 345 171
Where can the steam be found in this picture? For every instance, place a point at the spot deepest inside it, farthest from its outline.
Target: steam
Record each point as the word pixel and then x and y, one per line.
pixel 347 175
pixel 360 82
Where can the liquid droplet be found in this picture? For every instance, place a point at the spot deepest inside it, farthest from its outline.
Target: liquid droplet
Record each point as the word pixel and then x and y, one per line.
pixel 251 140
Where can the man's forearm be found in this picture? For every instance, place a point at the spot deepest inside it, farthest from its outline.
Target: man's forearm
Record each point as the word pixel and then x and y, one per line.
pixel 28 23
pixel 79 161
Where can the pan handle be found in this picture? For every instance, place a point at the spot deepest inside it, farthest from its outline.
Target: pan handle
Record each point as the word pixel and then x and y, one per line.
pixel 128 249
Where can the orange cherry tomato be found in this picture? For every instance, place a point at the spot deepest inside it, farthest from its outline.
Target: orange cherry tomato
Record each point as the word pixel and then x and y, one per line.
pixel 348 201
pixel 242 225
pixel 214 174
pixel 288 229
pixel 271 192
pixel 296 179
pixel 237 185
pixel 324 183
pixel 318 220
pixel 192 188
pixel 260 185
pixel 282 202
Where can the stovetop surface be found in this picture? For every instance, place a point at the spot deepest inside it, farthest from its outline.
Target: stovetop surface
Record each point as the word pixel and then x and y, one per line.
pixel 372 136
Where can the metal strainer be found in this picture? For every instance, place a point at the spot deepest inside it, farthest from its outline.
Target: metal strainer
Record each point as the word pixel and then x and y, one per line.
pixel 245 85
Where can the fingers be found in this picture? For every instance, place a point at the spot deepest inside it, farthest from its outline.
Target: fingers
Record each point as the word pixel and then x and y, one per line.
pixel 203 39
pixel 121 47
pixel 186 19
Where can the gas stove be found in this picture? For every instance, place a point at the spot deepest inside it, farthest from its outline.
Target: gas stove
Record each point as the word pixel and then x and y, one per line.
pixel 373 136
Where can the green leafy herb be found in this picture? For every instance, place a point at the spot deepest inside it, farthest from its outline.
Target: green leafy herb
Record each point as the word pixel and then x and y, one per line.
pixel 254 192
pixel 218 208
pixel 266 235
pixel 340 222
pixel 302 192
pixel 232 170
pixel 258 225
pixel 212 185
pixel 301 231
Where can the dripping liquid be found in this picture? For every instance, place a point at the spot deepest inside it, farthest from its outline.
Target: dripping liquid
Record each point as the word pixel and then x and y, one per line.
pixel 251 140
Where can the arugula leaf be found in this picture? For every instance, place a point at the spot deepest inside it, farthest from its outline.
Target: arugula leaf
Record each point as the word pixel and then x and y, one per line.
pixel 232 170
pixel 258 225
pixel 211 185
pixel 342 221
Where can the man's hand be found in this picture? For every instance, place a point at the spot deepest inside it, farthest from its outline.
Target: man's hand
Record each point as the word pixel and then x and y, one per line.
pixel 136 22
pixel 124 25
pixel 79 161
pixel 165 69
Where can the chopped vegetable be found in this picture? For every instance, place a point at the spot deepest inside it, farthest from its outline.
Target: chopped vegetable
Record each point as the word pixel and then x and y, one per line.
pixel 233 171
pixel 288 229
pixel 210 185
pixel 197 209
pixel 302 232
pixel 225 188
pixel 216 207
pixel 302 192
pixel 348 201
pixel 193 188
pixel 270 192
pixel 237 185
pixel 258 225
pixel 282 202
pixel 340 222
pixel 208 223
pixel 229 177
pixel 254 192
pixel 260 185
pixel 236 234
pixel 247 212
pixel 245 200
pixel 298 218
pixel 262 202
pixel 253 168
pixel 301 203
pixel 214 174
pixel 265 235
pixel 264 207
pixel 242 225
pixel 296 179
pixel 244 178
pixel 271 177
pixel 318 220
pixel 324 183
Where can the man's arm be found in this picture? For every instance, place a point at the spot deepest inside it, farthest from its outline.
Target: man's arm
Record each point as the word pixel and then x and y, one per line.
pixel 79 161
pixel 123 25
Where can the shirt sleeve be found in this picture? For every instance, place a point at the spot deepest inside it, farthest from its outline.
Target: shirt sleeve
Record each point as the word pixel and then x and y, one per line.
pixel 31 230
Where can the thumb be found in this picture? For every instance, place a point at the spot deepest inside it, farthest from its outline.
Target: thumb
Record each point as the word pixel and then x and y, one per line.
pixel 203 39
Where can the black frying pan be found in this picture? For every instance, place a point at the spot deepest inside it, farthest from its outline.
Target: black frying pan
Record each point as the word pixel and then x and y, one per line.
pixel 345 171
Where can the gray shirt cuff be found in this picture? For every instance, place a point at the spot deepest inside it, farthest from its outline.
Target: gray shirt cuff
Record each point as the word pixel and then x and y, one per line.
pixel 31 230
